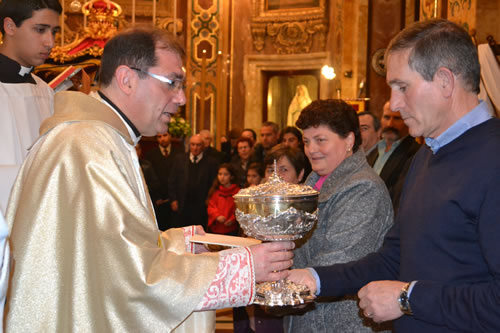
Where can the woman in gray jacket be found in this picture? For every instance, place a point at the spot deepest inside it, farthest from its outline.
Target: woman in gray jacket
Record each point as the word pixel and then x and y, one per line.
pixel 355 211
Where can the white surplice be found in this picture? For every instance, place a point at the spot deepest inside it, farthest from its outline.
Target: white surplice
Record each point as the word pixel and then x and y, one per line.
pixel 23 107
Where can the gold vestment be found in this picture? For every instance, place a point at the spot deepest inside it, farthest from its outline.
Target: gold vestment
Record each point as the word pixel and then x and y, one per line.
pixel 85 244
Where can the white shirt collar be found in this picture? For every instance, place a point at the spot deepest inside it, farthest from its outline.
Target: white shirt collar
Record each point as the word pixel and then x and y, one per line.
pixel 135 138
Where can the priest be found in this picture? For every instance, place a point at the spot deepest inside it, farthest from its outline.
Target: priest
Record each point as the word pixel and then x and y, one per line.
pixel 88 255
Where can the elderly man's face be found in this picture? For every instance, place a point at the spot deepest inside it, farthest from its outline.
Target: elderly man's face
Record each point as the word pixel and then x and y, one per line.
pixel 196 145
pixel 158 100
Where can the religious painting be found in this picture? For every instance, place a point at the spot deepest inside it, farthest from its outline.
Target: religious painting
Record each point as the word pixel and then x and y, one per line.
pixel 291 4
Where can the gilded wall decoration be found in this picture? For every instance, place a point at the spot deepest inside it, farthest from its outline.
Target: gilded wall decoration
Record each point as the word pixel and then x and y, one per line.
pixel 167 23
pixel 202 51
pixel 290 30
pixel 102 18
pixel 378 63
pixel 463 12
pixel 145 8
pixel 429 9
pixel 290 4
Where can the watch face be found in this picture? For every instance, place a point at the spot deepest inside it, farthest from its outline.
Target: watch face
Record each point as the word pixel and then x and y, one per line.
pixel 404 303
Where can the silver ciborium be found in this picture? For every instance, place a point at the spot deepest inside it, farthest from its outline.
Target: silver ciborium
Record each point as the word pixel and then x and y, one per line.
pixel 278 211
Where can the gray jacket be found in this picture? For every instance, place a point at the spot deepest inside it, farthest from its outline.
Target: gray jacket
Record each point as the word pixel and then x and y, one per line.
pixel 355 212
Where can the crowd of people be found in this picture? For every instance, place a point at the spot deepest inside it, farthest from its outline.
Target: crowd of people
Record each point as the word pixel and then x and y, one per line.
pixel 179 182
pixel 99 232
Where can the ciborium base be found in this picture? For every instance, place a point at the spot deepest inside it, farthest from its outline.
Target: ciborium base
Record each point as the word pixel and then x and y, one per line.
pixel 282 293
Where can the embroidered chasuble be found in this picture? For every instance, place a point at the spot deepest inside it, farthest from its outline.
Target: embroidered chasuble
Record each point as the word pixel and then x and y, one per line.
pixel 87 252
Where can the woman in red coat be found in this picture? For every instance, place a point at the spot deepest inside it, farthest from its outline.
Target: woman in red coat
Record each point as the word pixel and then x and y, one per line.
pixel 221 207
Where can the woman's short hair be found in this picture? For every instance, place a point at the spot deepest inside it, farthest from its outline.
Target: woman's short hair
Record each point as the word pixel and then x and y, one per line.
pixel 294 155
pixel 244 139
pixel 254 135
pixel 337 115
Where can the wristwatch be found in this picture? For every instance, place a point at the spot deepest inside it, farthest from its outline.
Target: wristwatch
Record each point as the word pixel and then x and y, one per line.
pixel 404 301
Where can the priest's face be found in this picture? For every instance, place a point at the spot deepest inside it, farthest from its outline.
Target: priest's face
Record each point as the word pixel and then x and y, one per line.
pixel 159 100
pixel 33 40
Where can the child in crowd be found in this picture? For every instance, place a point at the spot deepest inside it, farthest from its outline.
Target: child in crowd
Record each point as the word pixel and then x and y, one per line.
pixel 221 207
pixel 255 173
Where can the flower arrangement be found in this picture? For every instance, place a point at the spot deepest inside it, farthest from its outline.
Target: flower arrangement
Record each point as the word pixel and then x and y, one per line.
pixel 179 127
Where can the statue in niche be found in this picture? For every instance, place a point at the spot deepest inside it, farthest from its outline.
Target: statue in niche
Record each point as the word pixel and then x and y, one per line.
pixel 299 101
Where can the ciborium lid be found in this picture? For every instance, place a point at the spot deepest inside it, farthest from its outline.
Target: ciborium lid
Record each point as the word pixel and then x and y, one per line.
pixel 275 187
pixel 277 210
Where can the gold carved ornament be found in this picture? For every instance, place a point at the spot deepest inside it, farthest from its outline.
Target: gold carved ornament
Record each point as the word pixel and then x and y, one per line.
pixel 290 30
pixel 289 37
pixel 102 18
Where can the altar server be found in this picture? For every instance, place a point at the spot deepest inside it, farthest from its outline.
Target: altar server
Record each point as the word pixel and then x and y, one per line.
pixel 28 28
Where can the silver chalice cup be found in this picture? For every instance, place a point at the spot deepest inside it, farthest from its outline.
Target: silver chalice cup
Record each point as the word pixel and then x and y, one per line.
pixel 278 211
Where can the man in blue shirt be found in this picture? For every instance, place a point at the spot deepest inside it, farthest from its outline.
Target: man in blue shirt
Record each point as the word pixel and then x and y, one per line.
pixel 439 268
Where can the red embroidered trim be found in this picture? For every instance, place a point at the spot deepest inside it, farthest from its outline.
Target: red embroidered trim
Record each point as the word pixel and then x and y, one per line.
pixel 252 293
pixel 233 284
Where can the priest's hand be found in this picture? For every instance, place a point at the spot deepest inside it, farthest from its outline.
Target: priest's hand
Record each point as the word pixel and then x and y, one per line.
pixel 379 300
pixel 303 277
pixel 271 260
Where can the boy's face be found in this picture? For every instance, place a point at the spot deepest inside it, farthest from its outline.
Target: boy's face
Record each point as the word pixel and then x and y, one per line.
pixel 33 40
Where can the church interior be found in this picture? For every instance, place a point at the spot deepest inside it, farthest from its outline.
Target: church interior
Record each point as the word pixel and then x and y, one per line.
pixel 246 59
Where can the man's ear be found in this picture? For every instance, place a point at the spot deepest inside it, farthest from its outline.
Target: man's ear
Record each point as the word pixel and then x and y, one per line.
pixel 9 26
pixel 445 80
pixel 126 79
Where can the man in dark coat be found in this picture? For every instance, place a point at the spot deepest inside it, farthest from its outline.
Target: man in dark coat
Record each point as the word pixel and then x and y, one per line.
pixel 161 158
pixel 191 177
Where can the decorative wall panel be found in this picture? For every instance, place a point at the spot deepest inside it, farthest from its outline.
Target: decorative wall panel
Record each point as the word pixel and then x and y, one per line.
pixel 203 46
pixel 289 30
